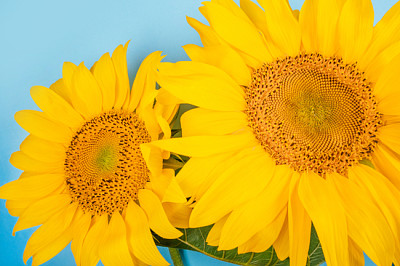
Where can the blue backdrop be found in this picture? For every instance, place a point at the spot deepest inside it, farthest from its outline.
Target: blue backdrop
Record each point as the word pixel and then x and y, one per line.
pixel 36 37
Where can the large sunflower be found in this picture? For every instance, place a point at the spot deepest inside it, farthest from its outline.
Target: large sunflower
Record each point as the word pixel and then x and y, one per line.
pixel 89 175
pixel 293 106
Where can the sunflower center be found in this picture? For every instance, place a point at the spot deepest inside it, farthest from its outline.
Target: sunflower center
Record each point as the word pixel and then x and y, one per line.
pixel 104 166
pixel 313 113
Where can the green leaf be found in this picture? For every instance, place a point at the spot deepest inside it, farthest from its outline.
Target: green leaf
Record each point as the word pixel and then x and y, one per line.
pixel 195 239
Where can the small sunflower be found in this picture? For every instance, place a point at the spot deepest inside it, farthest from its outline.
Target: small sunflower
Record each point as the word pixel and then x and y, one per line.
pixel 292 106
pixel 89 175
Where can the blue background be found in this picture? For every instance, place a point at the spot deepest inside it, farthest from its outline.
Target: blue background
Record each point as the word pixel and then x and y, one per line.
pixel 36 37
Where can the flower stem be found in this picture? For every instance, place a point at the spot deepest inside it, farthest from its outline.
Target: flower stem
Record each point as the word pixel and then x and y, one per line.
pixel 176 256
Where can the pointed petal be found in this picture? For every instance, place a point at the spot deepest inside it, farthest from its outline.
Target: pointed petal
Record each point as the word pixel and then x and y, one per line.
pixel 250 174
pixel 320 200
pixel 299 226
pixel 202 85
pixel 87 97
pixel 386 163
pixel 223 57
pixel 366 226
pixel 355 254
pixel 207 35
pixel 355 28
pixel 41 211
pixel 158 220
pixel 22 161
pixel 114 247
pixel 34 187
pixel 318 20
pixel 251 217
pixel 283 27
pixel 264 238
pixel 40 125
pixel 43 150
pixel 215 233
pixel 201 121
pixel 55 107
pixel 389 136
pixel 140 239
pixel 238 32
pixel 121 71
pixel 79 231
pixel 104 74
pixel 49 232
pixel 90 249
pixel 386 32
pixel 178 214
pixel 281 245
pixel 203 146
pixel 144 83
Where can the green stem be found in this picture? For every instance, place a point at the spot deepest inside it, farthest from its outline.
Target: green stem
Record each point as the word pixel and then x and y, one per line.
pixel 176 256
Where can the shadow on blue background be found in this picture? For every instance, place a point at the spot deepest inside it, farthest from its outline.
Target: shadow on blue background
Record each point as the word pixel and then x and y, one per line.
pixel 38 36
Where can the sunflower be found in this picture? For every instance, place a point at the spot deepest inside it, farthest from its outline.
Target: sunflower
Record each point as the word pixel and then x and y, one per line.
pixel 89 175
pixel 297 124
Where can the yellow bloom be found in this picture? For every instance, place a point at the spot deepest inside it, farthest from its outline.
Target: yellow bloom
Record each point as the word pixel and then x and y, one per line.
pixel 90 176
pixel 289 104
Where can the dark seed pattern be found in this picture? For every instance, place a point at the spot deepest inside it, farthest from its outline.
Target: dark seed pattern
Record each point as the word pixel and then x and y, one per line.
pixel 313 113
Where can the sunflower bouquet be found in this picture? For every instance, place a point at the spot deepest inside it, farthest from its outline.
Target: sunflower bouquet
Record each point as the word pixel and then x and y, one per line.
pixel 276 144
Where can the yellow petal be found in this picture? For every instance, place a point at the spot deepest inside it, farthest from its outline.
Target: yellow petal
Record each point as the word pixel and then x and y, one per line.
pixel 158 220
pixel 202 85
pixel 281 244
pixel 40 125
pixel 386 163
pixel 264 238
pixel 177 213
pixel 153 157
pixel 90 248
pixel 207 35
pixel 22 161
pixel 55 107
pixel 389 136
pixel 17 207
pixel 250 174
pixel 386 32
pixel 355 28
pixel 140 240
pixel 366 226
pixel 283 27
pixel 79 231
pixel 203 146
pixel 67 72
pixel 121 70
pixel 104 74
pixel 43 150
pixel 113 249
pixel 195 172
pixel 61 89
pixel 356 254
pixel 33 187
pixel 386 88
pixel 257 213
pixel 375 66
pixel 259 19
pixel 238 32
pixel 214 234
pixel 202 121
pixel 87 97
pixel 144 85
pixel 299 226
pixel 318 20
pixel 223 57
pixel 41 211
pixel 174 193
pixel 49 232
pixel 322 204
pixel 52 249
